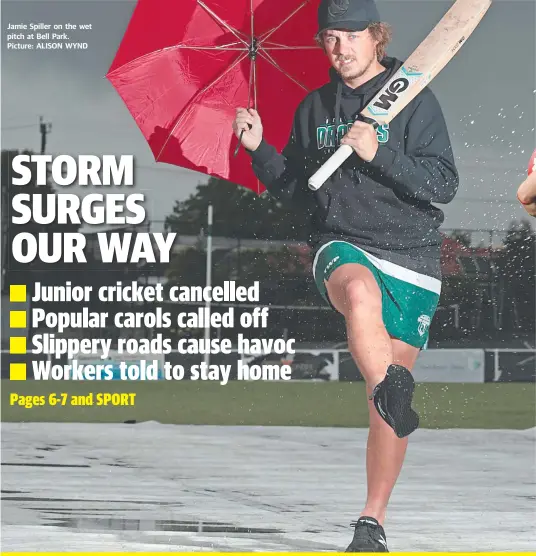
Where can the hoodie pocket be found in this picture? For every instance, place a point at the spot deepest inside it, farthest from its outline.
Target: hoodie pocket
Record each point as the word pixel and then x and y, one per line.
pixel 324 201
pixel 330 208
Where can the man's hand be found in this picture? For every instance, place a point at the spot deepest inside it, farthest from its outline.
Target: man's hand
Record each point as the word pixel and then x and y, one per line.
pixel 363 139
pixel 250 122
pixel 526 194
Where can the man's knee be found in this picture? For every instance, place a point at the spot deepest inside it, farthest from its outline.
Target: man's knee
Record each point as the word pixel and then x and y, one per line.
pixel 352 287
pixel 361 294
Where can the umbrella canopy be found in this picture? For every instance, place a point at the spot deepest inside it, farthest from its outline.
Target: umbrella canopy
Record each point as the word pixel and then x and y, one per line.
pixel 184 66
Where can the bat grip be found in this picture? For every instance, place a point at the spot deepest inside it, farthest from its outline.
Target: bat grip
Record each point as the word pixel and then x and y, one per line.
pixel 336 160
pixel 329 167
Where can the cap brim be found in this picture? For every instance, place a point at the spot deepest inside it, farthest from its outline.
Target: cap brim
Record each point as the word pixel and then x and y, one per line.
pixel 348 26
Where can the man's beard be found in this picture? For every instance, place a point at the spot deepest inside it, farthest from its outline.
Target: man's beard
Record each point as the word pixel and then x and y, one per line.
pixel 358 74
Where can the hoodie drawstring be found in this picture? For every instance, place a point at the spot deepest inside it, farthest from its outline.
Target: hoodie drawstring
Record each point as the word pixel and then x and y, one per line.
pixel 338 100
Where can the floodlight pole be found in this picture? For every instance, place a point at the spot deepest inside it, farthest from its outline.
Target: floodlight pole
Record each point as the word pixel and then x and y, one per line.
pixel 208 280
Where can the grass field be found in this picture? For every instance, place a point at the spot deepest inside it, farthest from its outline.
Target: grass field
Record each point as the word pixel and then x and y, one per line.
pixel 338 404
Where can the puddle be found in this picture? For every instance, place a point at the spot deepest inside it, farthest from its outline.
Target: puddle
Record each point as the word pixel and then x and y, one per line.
pixel 43 465
pixel 84 501
pixel 12 492
pixel 128 524
pixel 78 512
pixel 78 518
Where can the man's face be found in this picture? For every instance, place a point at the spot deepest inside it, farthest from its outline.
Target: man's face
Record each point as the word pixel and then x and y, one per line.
pixel 351 53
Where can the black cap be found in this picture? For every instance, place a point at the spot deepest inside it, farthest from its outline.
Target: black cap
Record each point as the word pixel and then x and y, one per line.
pixel 354 15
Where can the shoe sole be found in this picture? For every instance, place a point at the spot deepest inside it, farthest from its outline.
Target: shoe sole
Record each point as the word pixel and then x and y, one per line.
pixel 395 407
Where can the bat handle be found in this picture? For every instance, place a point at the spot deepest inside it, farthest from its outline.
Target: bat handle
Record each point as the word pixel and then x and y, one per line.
pixel 328 168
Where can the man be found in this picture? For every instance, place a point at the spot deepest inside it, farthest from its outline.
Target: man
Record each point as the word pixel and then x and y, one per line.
pixel 526 192
pixel 374 228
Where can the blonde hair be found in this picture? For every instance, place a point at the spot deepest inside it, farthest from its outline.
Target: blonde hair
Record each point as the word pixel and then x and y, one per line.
pixel 380 32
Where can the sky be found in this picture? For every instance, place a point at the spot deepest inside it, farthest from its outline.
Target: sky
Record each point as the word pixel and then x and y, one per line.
pixel 487 94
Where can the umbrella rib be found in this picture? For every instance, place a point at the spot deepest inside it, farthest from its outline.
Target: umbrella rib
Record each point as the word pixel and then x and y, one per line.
pixel 223 47
pixel 290 47
pixel 250 84
pixel 252 72
pixel 252 19
pixel 255 84
pixel 278 67
pixel 222 22
pixel 235 32
pixel 203 91
pixel 174 47
pixel 270 33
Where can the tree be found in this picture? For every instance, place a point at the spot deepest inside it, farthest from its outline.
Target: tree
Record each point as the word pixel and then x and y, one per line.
pixel 464 238
pixel 238 213
pixel 241 214
pixel 517 267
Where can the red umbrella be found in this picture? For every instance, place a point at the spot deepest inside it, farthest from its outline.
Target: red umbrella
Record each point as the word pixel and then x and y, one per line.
pixel 184 66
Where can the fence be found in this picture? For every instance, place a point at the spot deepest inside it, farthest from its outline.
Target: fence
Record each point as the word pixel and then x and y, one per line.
pixel 475 237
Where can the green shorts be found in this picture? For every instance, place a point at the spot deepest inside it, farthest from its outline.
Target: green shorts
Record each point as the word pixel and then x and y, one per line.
pixel 409 299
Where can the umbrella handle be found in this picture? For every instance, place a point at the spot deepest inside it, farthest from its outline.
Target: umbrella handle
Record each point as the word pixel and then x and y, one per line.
pixel 239 142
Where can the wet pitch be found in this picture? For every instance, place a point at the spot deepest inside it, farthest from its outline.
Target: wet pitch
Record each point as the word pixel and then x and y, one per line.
pixel 152 487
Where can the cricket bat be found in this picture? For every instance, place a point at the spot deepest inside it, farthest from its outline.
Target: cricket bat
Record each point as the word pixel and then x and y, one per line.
pixel 431 56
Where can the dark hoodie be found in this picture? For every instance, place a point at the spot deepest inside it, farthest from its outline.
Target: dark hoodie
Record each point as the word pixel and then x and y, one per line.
pixel 384 206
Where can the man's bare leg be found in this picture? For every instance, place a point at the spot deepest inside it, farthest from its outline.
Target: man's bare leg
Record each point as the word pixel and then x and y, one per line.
pixel 385 451
pixel 353 291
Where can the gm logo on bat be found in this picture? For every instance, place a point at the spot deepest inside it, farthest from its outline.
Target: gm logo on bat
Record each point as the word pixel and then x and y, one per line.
pixel 389 96
pixel 385 99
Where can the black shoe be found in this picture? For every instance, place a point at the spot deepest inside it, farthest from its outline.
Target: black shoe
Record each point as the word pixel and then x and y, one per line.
pixel 392 399
pixel 369 536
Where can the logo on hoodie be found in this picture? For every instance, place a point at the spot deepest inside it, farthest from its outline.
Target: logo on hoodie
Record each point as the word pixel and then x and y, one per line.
pixel 326 137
